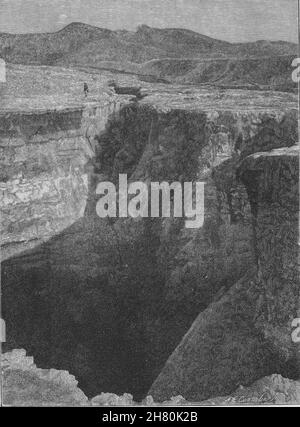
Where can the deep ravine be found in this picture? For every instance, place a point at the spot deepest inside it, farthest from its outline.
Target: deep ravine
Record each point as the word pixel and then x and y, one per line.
pixel 111 300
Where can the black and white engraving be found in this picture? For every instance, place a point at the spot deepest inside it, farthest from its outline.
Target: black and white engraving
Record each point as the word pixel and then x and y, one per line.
pixel 149 196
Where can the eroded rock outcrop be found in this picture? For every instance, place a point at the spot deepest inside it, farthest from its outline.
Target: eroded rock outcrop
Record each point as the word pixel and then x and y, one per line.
pixel 247 333
pixel 24 384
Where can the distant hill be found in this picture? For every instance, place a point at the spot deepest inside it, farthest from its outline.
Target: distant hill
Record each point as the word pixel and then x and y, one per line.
pixel 273 72
pixel 176 53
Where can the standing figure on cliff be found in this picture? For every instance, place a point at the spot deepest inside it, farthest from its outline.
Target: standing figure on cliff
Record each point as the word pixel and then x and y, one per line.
pixel 85 89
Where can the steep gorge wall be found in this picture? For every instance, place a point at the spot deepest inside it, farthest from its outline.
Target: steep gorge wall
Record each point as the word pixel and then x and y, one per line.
pixel 248 333
pixel 272 182
pixel 178 145
pixel 110 300
pixel 196 267
pixel 44 171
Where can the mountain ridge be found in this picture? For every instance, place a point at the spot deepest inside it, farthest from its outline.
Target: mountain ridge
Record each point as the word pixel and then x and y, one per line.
pixel 161 43
pixel 79 44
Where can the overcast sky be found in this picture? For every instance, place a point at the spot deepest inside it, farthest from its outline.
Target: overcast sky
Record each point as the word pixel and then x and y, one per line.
pixel 232 20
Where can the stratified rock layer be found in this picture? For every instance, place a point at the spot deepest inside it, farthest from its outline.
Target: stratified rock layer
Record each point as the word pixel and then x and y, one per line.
pixel 44 171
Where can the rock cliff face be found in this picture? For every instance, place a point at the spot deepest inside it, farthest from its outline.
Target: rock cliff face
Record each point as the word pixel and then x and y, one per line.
pixel 44 171
pixel 247 334
pixel 271 179
pixel 110 300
